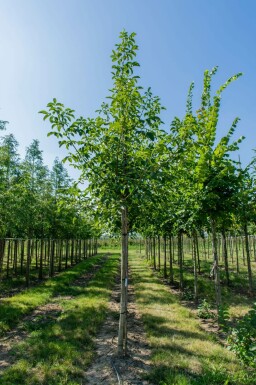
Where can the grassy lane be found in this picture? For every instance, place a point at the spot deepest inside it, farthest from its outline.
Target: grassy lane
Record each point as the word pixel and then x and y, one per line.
pixel 183 354
pixel 56 353
pixel 14 308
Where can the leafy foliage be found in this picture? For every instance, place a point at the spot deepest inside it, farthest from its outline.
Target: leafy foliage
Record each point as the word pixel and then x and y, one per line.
pixel 204 310
pixel 242 338
pixel 36 201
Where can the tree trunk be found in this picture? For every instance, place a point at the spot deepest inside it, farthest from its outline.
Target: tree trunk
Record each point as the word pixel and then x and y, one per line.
pixel 165 262
pixel 171 260
pixel 237 255
pixel 254 249
pixel 194 253
pixel 154 253
pixel 216 266
pixel 28 263
pixel 204 247
pixel 180 260
pixel 159 253
pixel 225 255
pixel 247 251
pixel 122 332
pixel 197 253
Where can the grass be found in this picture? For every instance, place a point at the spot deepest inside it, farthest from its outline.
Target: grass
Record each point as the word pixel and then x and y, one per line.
pixel 58 352
pixel 182 353
pixel 14 308
pixel 235 297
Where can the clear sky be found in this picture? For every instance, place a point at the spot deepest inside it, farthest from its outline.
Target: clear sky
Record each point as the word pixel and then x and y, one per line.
pixel 61 48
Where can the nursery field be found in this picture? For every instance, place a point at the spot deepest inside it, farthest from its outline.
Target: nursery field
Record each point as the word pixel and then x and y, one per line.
pixel 51 332
pixel 143 270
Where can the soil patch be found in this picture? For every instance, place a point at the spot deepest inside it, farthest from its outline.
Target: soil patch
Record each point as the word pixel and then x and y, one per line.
pixel 107 368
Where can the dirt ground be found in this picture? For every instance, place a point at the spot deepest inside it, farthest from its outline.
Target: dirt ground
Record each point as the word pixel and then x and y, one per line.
pixel 107 368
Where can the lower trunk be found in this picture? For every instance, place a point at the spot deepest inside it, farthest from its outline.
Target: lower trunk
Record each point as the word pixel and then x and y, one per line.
pixel 171 260
pixel 216 266
pixel 122 332
pixel 180 259
pixel 165 264
pixel 154 253
pixel 197 253
pixel 159 253
pixel 237 255
pixel 247 251
pixel 225 255
pixel 194 251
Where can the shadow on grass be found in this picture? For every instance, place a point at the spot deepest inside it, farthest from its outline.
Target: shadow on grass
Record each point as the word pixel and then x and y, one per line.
pixel 164 375
pixel 58 352
pixel 13 309
pixel 181 354
pixel 159 328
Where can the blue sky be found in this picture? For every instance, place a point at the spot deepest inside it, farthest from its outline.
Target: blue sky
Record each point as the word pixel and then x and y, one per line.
pixel 61 48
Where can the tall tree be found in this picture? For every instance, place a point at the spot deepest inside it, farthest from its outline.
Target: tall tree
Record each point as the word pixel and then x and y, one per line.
pixel 116 151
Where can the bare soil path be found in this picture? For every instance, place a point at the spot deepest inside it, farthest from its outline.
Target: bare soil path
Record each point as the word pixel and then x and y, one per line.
pixel 107 368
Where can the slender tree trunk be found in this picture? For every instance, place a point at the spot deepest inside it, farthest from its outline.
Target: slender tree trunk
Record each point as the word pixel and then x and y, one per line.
pixel 147 249
pixel 15 256
pixel 165 259
pixel 243 251
pixel 2 249
pixel 208 246
pixel 247 251
pixel 216 265
pixel 231 243
pixel 180 260
pixel 194 253
pixel 159 252
pixel 122 333
pixel 173 249
pixel 171 260
pixel 28 263
pixel 197 253
pixel 237 255
pixel 22 255
pixel 40 274
pixel 225 255
pixel 204 247
pixel 154 253
pixel 254 249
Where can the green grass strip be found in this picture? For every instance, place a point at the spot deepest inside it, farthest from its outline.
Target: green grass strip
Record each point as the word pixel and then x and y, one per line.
pixel 58 352
pixel 182 353
pixel 14 308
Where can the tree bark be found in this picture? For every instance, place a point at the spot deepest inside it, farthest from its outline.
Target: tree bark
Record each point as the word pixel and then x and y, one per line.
pixel 154 253
pixel 165 259
pixel 248 258
pixel 159 253
pixel 197 253
pixel 225 255
pixel 122 332
pixel 216 266
pixel 237 255
pixel 171 259
pixel 180 259
pixel 194 252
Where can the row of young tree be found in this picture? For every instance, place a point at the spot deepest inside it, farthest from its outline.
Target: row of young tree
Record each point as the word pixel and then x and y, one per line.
pixel 157 181
pixel 36 202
